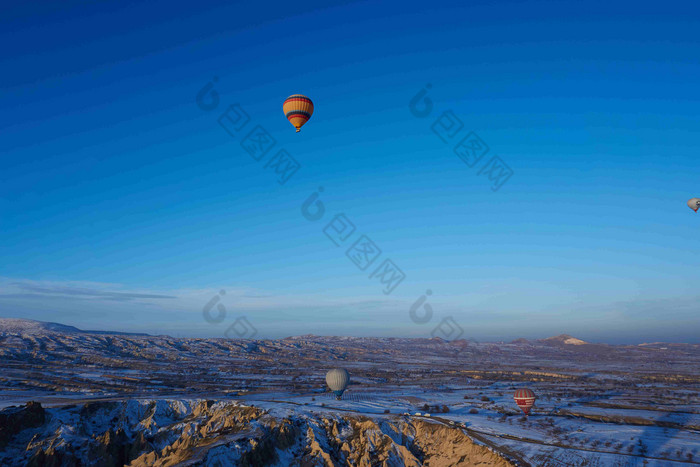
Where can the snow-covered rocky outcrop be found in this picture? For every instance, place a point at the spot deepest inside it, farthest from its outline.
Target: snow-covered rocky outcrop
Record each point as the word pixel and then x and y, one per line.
pixel 209 433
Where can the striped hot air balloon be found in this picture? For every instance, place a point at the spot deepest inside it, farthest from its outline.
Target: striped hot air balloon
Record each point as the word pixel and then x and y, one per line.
pixel 298 110
pixel 337 380
pixel 525 399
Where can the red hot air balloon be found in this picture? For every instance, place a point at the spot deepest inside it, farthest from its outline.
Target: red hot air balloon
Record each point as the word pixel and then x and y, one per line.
pixel 525 399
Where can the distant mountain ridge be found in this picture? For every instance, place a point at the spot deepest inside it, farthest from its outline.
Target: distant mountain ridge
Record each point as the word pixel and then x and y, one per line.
pixel 30 326
pixel 33 327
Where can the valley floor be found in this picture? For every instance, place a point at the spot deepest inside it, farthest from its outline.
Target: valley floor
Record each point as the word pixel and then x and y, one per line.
pixel 156 401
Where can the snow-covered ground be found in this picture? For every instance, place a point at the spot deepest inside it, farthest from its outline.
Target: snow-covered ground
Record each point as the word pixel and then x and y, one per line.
pixel 544 435
pixel 597 404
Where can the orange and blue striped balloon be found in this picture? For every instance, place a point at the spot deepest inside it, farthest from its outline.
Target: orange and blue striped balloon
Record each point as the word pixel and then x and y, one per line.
pixel 298 110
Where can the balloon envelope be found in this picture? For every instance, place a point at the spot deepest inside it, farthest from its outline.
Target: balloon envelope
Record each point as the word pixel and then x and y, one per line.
pixel 298 110
pixel 694 204
pixel 525 399
pixel 337 380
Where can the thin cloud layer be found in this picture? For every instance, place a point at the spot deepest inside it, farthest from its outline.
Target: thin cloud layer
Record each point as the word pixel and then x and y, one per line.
pixel 35 291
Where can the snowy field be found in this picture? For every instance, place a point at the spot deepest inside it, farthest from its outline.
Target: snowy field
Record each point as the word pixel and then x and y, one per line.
pixel 544 438
pixel 596 404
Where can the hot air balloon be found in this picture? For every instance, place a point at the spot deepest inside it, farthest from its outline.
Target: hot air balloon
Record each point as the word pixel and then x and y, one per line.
pixel 298 110
pixel 525 399
pixel 694 204
pixel 337 380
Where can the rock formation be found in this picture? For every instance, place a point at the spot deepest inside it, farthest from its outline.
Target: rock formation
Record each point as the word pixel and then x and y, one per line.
pixel 208 433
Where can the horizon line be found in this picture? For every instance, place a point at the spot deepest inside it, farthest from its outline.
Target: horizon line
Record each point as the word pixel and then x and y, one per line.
pixel 310 335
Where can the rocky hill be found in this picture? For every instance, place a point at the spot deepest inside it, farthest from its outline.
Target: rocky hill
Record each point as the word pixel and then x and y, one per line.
pixel 563 339
pixel 31 327
pixel 208 433
pixel 28 326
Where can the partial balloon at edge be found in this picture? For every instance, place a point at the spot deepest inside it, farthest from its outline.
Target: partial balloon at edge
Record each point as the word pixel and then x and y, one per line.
pixel 694 204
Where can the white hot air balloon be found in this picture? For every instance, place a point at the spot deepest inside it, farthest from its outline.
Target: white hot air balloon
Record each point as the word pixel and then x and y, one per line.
pixel 337 380
pixel 694 204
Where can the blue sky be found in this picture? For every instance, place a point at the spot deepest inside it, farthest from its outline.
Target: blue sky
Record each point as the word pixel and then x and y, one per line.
pixel 124 205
